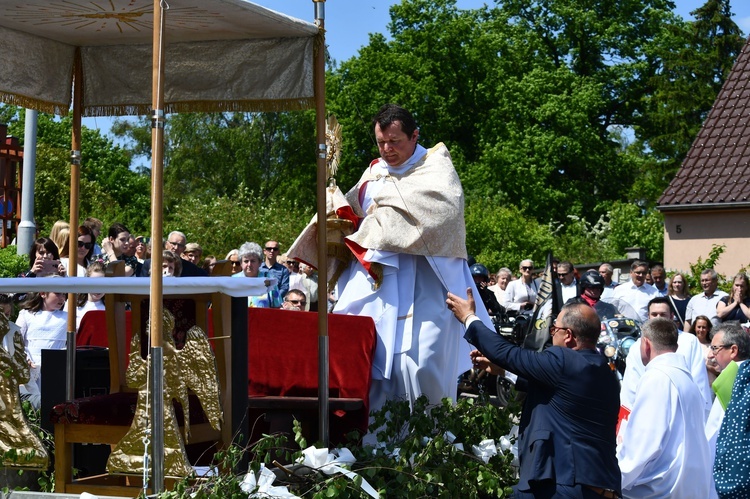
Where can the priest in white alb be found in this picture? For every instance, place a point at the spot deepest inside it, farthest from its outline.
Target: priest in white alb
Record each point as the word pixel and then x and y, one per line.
pixel 664 451
pixel 409 249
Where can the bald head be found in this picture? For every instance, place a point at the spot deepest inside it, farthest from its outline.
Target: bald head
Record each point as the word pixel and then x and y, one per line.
pixel 583 321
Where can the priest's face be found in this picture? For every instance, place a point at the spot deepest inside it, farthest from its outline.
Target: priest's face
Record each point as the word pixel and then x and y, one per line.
pixel 394 145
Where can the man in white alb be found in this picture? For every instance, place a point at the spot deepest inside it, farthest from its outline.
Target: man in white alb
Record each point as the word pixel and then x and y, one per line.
pixel 688 347
pixel 409 249
pixel 664 452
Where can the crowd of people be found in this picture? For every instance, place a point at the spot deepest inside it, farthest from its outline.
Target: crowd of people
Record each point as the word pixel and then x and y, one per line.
pixel 675 427
pixel 42 317
pixel 672 432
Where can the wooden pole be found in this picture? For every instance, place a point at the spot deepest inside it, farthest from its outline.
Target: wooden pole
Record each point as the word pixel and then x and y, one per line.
pixel 322 181
pixel 75 177
pixel 156 310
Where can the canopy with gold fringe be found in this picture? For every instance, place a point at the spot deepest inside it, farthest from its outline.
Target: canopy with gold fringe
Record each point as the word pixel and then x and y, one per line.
pixel 120 57
pixel 220 55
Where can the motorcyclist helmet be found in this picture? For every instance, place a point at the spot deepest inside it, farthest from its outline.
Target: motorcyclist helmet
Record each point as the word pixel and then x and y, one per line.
pixel 592 280
pixel 480 270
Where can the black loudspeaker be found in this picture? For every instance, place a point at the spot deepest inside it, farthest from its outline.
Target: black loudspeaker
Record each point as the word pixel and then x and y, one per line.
pixel 92 378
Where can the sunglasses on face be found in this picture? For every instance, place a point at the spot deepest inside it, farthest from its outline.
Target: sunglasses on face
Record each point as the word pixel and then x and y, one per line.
pixel 272 249
pixel 527 268
pixel 81 244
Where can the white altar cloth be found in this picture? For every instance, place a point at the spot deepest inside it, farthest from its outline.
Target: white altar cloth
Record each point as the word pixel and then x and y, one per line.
pixel 248 286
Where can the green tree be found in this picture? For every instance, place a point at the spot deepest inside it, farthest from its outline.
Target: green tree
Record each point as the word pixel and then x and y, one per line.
pixel 209 155
pixel 630 226
pixel 500 235
pixel 689 62
pixel 109 190
pixel 225 222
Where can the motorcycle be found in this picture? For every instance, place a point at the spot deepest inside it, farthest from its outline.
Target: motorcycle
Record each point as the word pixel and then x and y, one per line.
pixel 479 383
pixel 617 336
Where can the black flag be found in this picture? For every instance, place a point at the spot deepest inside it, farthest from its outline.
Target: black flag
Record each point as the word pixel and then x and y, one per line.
pixel 546 309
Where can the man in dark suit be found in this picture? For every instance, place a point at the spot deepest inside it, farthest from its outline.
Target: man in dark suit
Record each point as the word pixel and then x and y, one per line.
pixel 567 431
pixel 566 285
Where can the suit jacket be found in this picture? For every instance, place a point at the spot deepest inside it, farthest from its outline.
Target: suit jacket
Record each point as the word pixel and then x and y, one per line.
pixel 567 429
pixel 558 291
pixel 189 269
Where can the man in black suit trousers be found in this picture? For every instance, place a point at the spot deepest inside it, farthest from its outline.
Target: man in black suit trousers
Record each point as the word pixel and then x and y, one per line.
pixel 567 432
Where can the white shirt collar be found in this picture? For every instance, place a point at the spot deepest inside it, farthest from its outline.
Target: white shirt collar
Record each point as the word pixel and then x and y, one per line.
pixel 419 153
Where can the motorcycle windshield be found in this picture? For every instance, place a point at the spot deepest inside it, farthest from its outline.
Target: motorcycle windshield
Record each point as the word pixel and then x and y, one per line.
pixel 624 309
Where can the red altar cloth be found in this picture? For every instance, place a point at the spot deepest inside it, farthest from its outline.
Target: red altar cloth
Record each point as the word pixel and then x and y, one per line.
pixel 283 358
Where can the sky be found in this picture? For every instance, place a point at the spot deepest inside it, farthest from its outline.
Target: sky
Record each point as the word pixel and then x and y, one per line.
pixel 349 23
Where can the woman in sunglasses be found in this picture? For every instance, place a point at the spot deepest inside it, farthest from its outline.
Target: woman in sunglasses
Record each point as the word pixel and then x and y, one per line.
pixel 83 252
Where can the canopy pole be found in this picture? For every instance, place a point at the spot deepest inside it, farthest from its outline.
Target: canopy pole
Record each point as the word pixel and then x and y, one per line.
pixel 75 176
pixel 156 358
pixel 27 227
pixel 319 79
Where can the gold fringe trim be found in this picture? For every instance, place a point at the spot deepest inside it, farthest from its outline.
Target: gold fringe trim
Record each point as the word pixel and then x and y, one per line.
pixel 376 270
pixel 274 105
pixel 339 252
pixel 32 103
pixel 335 278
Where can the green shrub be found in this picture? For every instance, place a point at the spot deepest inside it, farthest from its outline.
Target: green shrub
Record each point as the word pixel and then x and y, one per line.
pixel 12 264
pixel 413 458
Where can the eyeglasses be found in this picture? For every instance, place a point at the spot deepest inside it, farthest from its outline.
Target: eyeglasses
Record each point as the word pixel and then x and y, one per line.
pixel 562 274
pixel 275 248
pixel 526 268
pixel 179 245
pixel 81 244
pixel 554 329
pixel 716 348
pixel 235 262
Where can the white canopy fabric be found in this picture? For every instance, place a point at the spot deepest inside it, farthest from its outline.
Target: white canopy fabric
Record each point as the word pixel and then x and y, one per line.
pixel 220 55
pixel 247 286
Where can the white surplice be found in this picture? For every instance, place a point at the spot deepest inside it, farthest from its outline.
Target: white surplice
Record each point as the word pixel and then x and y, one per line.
pixel 690 348
pixel 664 452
